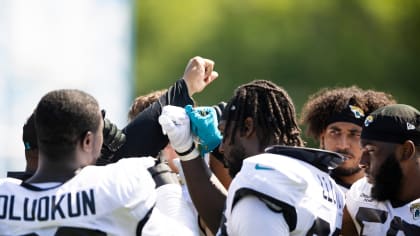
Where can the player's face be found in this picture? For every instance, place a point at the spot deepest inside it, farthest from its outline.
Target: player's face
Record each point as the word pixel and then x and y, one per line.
pixel 234 153
pixel 382 169
pixel 344 138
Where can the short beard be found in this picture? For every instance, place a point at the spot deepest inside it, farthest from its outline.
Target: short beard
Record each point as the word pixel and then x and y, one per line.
pixel 344 172
pixel 388 180
pixel 238 155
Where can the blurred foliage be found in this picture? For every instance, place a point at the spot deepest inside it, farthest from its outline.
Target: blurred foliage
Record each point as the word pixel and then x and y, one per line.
pixel 301 45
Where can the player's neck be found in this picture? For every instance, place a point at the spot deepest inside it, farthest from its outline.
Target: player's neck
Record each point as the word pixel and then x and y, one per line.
pixel 54 171
pixel 54 176
pixel 350 179
pixel 409 190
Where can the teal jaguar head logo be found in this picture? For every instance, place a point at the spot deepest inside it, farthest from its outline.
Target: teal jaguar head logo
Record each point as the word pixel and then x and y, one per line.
pixel 368 121
pixel 357 111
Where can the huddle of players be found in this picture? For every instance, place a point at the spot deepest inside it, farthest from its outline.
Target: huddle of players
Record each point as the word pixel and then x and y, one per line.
pixel 278 187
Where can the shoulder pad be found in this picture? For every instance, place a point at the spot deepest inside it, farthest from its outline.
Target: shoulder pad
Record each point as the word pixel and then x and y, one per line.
pixel 322 159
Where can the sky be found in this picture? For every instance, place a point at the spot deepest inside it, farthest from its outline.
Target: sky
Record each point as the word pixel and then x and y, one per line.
pixel 49 44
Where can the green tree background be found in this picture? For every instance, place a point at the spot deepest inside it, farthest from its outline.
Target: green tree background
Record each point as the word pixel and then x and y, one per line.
pixel 301 45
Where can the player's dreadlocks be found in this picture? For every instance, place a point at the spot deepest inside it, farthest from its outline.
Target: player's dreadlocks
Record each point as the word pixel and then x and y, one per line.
pixel 328 102
pixel 270 107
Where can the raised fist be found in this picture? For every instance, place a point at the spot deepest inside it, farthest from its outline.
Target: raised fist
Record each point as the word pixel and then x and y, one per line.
pixel 198 74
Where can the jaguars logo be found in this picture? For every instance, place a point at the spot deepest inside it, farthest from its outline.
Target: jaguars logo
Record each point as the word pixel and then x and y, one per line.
pixel 368 121
pixel 415 210
pixel 357 111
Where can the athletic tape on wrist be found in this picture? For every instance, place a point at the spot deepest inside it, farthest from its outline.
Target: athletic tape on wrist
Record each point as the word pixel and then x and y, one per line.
pixel 192 155
pixel 186 152
pixel 189 154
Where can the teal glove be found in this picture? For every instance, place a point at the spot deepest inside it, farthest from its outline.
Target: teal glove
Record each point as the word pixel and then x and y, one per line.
pixel 204 126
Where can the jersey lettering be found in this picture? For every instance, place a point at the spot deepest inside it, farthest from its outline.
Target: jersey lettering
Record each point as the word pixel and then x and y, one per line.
pixel 329 192
pixel 49 207
pixel 321 227
pixel 369 215
pixel 56 207
pixel 399 225
pixel 26 216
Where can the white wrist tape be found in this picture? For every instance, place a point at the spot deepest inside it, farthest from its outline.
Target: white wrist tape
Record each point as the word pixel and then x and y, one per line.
pixel 190 154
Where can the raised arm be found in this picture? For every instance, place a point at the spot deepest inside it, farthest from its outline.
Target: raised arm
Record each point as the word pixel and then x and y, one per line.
pixel 144 135
pixel 207 193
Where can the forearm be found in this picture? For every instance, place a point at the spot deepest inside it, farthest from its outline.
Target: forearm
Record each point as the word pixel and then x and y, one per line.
pixel 207 194
pixel 144 135
pixel 348 227
pixel 221 172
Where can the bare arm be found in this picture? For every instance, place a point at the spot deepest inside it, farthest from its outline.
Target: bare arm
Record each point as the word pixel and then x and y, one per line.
pixel 221 172
pixel 207 193
pixel 144 135
pixel 348 227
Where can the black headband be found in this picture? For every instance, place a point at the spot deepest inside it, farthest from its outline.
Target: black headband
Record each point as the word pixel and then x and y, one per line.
pixel 352 114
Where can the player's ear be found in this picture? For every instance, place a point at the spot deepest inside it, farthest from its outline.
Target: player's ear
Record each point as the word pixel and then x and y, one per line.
pixel 87 141
pixel 249 126
pixel 321 140
pixel 408 150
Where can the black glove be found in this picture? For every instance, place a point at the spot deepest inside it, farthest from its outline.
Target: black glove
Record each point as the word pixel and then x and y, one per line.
pixel 219 109
pixel 114 138
pixel 162 174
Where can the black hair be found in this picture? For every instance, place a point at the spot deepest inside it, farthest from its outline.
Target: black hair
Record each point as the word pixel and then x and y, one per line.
pixel 270 107
pixel 328 102
pixel 29 136
pixel 62 118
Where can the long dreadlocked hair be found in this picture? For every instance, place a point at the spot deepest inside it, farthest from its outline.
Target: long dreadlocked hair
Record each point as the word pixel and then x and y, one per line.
pixel 270 107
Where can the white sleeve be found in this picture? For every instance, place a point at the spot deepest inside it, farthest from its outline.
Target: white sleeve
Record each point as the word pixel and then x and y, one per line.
pixel 172 203
pixel 251 216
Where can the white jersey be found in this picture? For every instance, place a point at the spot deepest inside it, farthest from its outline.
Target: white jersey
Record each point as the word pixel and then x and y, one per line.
pixel 186 195
pixel 297 198
pixel 343 188
pixel 381 218
pixel 100 200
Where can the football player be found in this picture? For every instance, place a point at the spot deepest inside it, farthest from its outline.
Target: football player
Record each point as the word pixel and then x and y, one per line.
pixel 334 118
pixel 284 189
pixel 143 135
pixel 387 200
pixel 30 142
pixel 67 195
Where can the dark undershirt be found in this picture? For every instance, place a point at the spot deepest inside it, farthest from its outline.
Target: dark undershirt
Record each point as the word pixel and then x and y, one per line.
pixel 144 135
